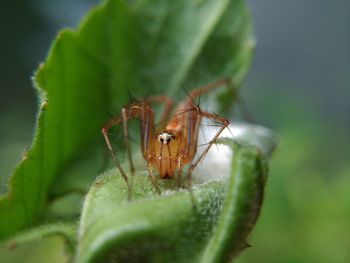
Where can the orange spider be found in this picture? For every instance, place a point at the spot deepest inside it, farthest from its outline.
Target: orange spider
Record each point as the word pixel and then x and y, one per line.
pixel 168 148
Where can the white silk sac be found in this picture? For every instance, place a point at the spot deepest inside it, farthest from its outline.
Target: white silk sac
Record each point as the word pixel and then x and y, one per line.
pixel 217 163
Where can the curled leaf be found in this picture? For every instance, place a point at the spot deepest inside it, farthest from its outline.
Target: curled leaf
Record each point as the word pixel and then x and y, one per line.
pixel 169 228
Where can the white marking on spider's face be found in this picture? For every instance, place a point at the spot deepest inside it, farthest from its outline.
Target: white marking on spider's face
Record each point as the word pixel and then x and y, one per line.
pixel 165 137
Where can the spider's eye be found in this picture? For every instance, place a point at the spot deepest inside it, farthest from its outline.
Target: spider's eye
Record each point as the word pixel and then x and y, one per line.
pixel 161 140
pixel 168 140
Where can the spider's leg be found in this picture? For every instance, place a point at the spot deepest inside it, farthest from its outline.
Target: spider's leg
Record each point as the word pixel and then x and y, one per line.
pixel 131 111
pixel 224 122
pixel 104 131
pixel 153 179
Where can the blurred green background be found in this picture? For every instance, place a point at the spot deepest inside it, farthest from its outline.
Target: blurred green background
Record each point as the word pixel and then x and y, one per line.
pixel 299 86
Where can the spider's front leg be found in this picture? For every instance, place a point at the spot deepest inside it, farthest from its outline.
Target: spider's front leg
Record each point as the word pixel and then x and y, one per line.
pixel 192 144
pixel 153 178
pixel 224 124
pixel 131 111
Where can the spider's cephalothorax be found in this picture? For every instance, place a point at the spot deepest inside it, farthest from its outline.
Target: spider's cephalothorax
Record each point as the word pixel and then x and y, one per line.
pixel 175 146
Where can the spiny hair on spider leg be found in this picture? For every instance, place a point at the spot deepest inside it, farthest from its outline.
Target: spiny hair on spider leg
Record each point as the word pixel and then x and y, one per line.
pixel 228 128
pixel 132 98
pixel 173 115
pixel 198 103
pixel 213 125
pixel 202 130
pixel 189 95
pixel 203 144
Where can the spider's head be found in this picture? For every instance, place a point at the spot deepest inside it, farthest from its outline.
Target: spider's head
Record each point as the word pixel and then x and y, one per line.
pixel 165 137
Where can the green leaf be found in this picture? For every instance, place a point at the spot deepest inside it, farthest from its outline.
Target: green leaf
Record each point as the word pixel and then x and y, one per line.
pixel 169 228
pixel 147 45
pixel 241 208
pixel 66 231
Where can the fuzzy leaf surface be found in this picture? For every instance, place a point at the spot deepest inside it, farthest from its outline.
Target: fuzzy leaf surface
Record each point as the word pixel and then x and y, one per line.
pixel 169 228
